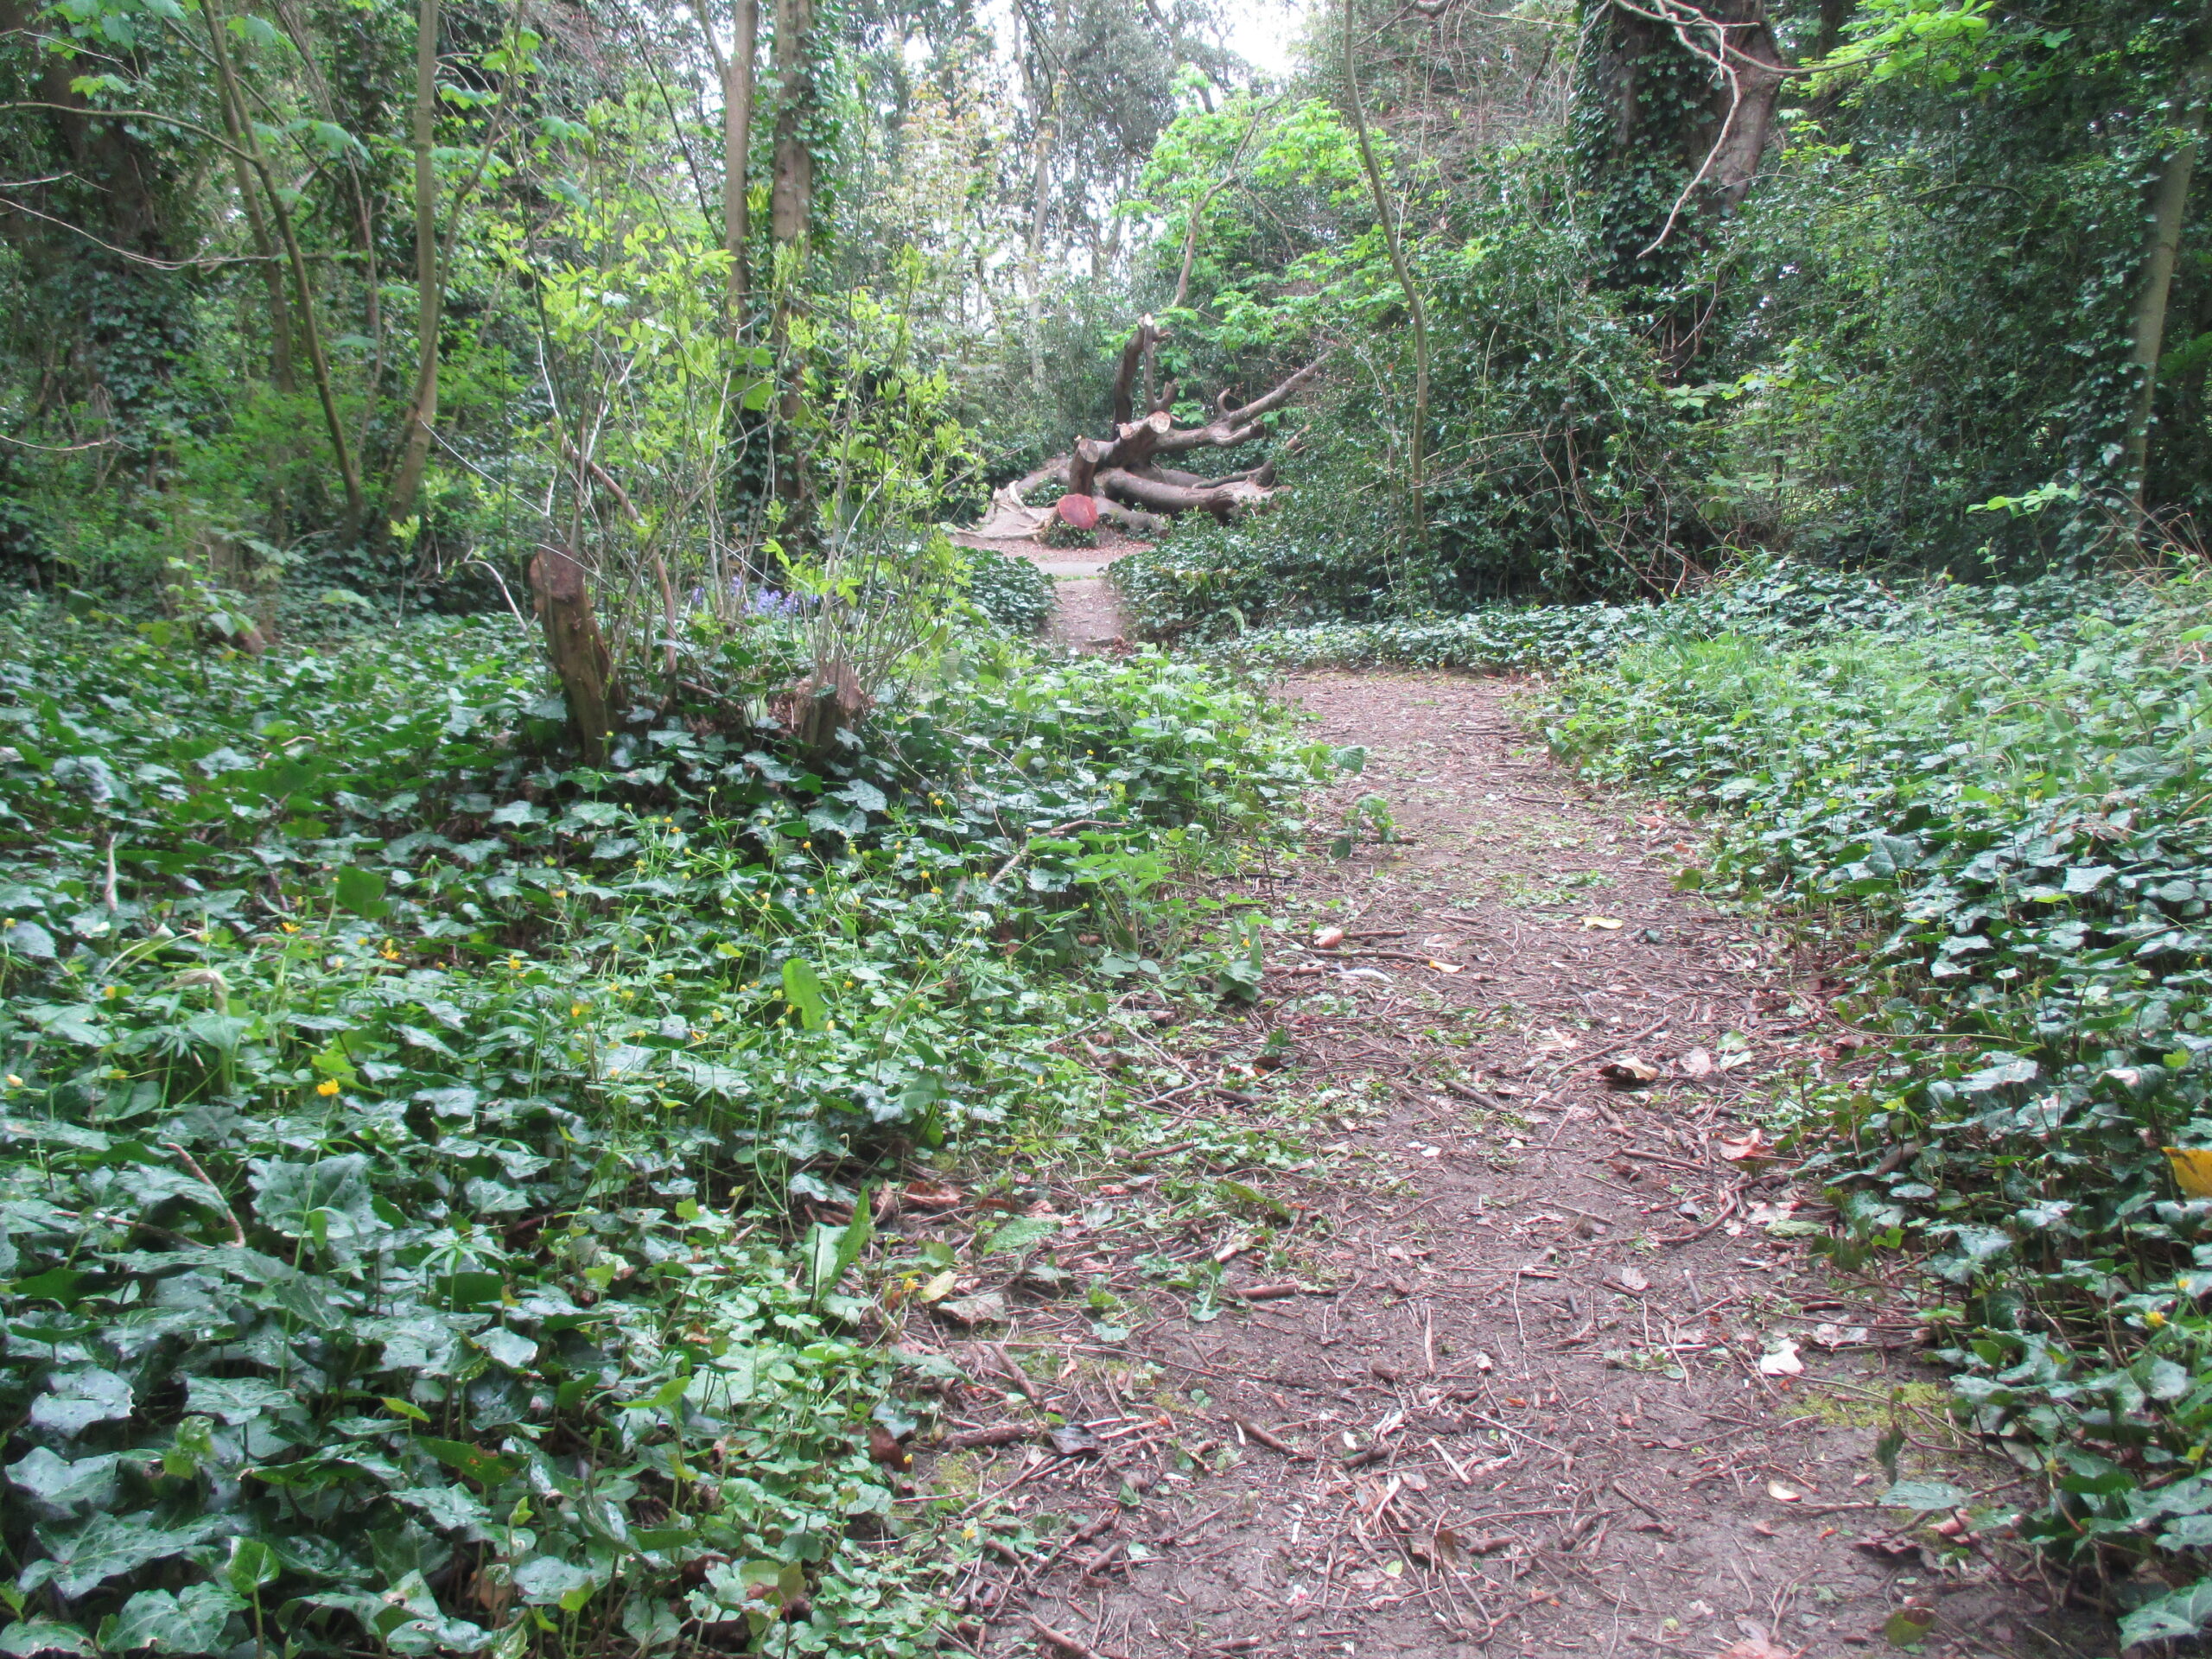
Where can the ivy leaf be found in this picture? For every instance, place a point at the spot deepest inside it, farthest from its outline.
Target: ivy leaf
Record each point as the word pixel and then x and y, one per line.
pixel 235 1400
pixel 107 1547
pixel 77 1399
pixel 190 1621
pixel 2172 1617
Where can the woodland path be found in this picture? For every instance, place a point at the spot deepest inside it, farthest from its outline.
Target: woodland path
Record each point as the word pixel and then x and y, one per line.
pixel 1520 1405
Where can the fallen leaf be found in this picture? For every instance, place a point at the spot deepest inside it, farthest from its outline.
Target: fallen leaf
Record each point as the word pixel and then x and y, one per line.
pixel 2192 1167
pixel 1629 1279
pixel 1328 938
pixel 883 1447
pixel 931 1195
pixel 1074 1441
pixel 1742 1149
pixel 1782 1361
pixel 1629 1072
pixel 1776 1489
pixel 987 1308
pixel 1607 923
pixel 1757 1647
pixel 1698 1063
pixel 939 1288
pixel 1889 1547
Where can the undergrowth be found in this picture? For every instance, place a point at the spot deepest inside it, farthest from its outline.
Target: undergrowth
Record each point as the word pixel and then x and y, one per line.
pixel 403 1129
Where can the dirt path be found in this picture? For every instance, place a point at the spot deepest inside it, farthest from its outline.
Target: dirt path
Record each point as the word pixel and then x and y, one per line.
pixel 1087 617
pixel 1552 1379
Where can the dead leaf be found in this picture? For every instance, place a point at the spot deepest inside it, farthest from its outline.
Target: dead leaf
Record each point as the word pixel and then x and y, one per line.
pixel 1782 1360
pixel 1074 1441
pixel 1758 1648
pixel 1742 1149
pixel 1780 1493
pixel 883 1447
pixel 1698 1063
pixel 987 1308
pixel 1328 938
pixel 1605 922
pixel 939 1288
pixel 1629 1279
pixel 930 1195
pixel 1629 1072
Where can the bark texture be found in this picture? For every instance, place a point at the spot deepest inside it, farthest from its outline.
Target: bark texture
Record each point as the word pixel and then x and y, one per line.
pixel 562 587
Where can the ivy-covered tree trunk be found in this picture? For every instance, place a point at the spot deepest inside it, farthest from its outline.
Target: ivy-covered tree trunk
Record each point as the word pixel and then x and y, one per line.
pixel 1673 105
pixel 791 214
pixel 2168 207
pixel 118 293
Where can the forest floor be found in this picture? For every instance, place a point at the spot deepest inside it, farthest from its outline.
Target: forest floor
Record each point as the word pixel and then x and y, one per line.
pixel 1531 1361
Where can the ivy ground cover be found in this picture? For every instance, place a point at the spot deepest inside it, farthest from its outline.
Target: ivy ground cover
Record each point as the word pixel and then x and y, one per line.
pixel 398 1127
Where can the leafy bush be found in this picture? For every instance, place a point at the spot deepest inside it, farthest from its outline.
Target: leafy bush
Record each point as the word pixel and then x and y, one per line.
pixel 382 1100
pixel 2015 795
pixel 1013 593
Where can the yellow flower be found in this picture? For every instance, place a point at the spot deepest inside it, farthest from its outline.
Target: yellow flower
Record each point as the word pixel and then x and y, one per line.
pixel 576 1010
pixel 514 962
pixel 326 1088
pixel 2154 1318
pixel 560 893
pixel 112 992
pixel 289 927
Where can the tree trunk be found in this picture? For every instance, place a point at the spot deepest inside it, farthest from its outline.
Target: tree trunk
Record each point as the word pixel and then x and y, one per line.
pixel 2168 207
pixel 791 209
pixel 429 293
pixel 580 662
pixel 736 73
pixel 1416 475
pixel 1673 108
pixel 1048 139
pixel 790 204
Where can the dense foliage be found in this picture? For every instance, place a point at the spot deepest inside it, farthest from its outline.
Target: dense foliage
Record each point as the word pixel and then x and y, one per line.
pixel 398 1118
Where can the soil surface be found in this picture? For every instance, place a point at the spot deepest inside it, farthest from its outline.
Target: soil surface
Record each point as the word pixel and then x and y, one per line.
pixel 1529 1359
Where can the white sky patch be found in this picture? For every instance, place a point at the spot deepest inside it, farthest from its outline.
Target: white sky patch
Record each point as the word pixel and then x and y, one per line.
pixel 1263 33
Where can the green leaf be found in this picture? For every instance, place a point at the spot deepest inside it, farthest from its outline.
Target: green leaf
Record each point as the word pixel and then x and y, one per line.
pixel 833 1251
pixel 2177 1616
pixel 30 1637
pixel 191 1620
pixel 803 990
pixel 251 1564
pixel 486 1468
pixel 1021 1235
pixel 107 1546
pixel 235 1400
pixel 361 891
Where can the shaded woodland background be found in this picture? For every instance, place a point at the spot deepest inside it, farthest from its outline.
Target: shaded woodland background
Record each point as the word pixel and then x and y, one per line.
pixel 386 299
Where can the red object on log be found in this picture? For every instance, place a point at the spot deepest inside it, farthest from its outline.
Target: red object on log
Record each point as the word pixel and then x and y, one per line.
pixel 1080 510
